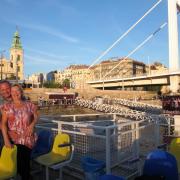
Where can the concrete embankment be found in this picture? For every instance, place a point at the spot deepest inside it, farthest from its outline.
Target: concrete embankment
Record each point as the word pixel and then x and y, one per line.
pixel 91 93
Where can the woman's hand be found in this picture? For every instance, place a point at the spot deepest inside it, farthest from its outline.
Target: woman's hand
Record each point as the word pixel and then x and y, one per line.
pixel 30 130
pixel 8 145
pixel 7 142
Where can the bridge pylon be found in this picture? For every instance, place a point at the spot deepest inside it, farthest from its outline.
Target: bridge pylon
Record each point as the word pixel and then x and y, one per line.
pixel 173 44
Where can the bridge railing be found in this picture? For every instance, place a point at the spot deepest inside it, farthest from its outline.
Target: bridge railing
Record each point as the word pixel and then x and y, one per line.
pixel 125 77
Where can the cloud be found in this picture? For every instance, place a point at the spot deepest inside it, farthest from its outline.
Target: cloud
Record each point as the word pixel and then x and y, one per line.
pixel 44 29
pixel 63 8
pixel 43 61
pixel 46 54
pixel 50 31
pixel 38 64
pixel 87 49
pixel 12 2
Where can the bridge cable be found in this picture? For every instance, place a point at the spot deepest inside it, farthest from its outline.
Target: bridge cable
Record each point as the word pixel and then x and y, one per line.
pixel 138 47
pixel 122 36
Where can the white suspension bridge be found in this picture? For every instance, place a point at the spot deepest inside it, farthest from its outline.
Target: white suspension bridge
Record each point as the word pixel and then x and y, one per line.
pixel 171 77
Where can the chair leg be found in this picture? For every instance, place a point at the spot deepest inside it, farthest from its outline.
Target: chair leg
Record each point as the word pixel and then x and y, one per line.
pixel 47 173
pixel 17 177
pixel 37 170
pixel 60 175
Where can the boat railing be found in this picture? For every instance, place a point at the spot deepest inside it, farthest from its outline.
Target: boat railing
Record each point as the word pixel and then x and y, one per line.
pixel 115 142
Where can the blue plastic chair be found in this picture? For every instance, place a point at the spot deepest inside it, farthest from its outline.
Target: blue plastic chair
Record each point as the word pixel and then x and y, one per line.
pixel 93 168
pixel 43 144
pixel 111 177
pixel 161 163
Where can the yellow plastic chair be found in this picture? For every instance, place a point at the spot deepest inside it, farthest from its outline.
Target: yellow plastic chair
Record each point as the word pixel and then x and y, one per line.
pixel 175 150
pixel 8 163
pixel 60 155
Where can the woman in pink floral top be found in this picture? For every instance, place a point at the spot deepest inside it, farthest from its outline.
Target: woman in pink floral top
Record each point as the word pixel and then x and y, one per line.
pixel 18 121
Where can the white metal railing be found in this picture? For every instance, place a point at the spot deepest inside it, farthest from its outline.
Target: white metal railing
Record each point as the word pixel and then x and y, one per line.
pixel 115 144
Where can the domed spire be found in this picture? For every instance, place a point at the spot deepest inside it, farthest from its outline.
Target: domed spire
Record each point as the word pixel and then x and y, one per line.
pixel 16 43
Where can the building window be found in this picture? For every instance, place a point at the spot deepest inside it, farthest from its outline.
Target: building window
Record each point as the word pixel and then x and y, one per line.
pixel 18 57
pixel 18 68
pixel 11 64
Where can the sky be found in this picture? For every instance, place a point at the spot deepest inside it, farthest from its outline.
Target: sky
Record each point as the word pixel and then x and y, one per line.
pixel 59 33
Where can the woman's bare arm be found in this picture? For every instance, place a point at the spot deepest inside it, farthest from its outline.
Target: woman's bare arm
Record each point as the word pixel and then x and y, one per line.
pixel 34 121
pixel 5 131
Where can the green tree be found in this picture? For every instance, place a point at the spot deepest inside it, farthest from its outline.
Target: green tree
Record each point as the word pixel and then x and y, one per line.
pixel 51 84
pixel 66 83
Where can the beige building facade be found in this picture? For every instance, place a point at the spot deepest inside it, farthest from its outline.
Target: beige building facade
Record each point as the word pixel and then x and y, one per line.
pixel 77 74
pixel 13 68
pixel 124 68
pixel 157 68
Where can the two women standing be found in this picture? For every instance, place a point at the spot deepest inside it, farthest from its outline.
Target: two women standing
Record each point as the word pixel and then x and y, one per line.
pixel 18 121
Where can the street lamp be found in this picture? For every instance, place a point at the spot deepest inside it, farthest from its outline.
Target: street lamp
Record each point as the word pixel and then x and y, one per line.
pixel 100 71
pixel 103 84
pixel 149 68
pixel 123 72
pixel 2 62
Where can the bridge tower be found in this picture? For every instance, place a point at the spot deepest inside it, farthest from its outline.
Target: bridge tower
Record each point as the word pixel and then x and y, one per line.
pixel 173 43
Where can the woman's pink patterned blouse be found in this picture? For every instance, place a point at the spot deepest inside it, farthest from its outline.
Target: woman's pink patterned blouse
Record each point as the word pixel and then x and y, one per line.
pixel 18 120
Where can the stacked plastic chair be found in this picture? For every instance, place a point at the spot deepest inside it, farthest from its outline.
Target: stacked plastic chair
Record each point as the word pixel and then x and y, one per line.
pixel 175 150
pixel 43 144
pixel 60 155
pixel 8 163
